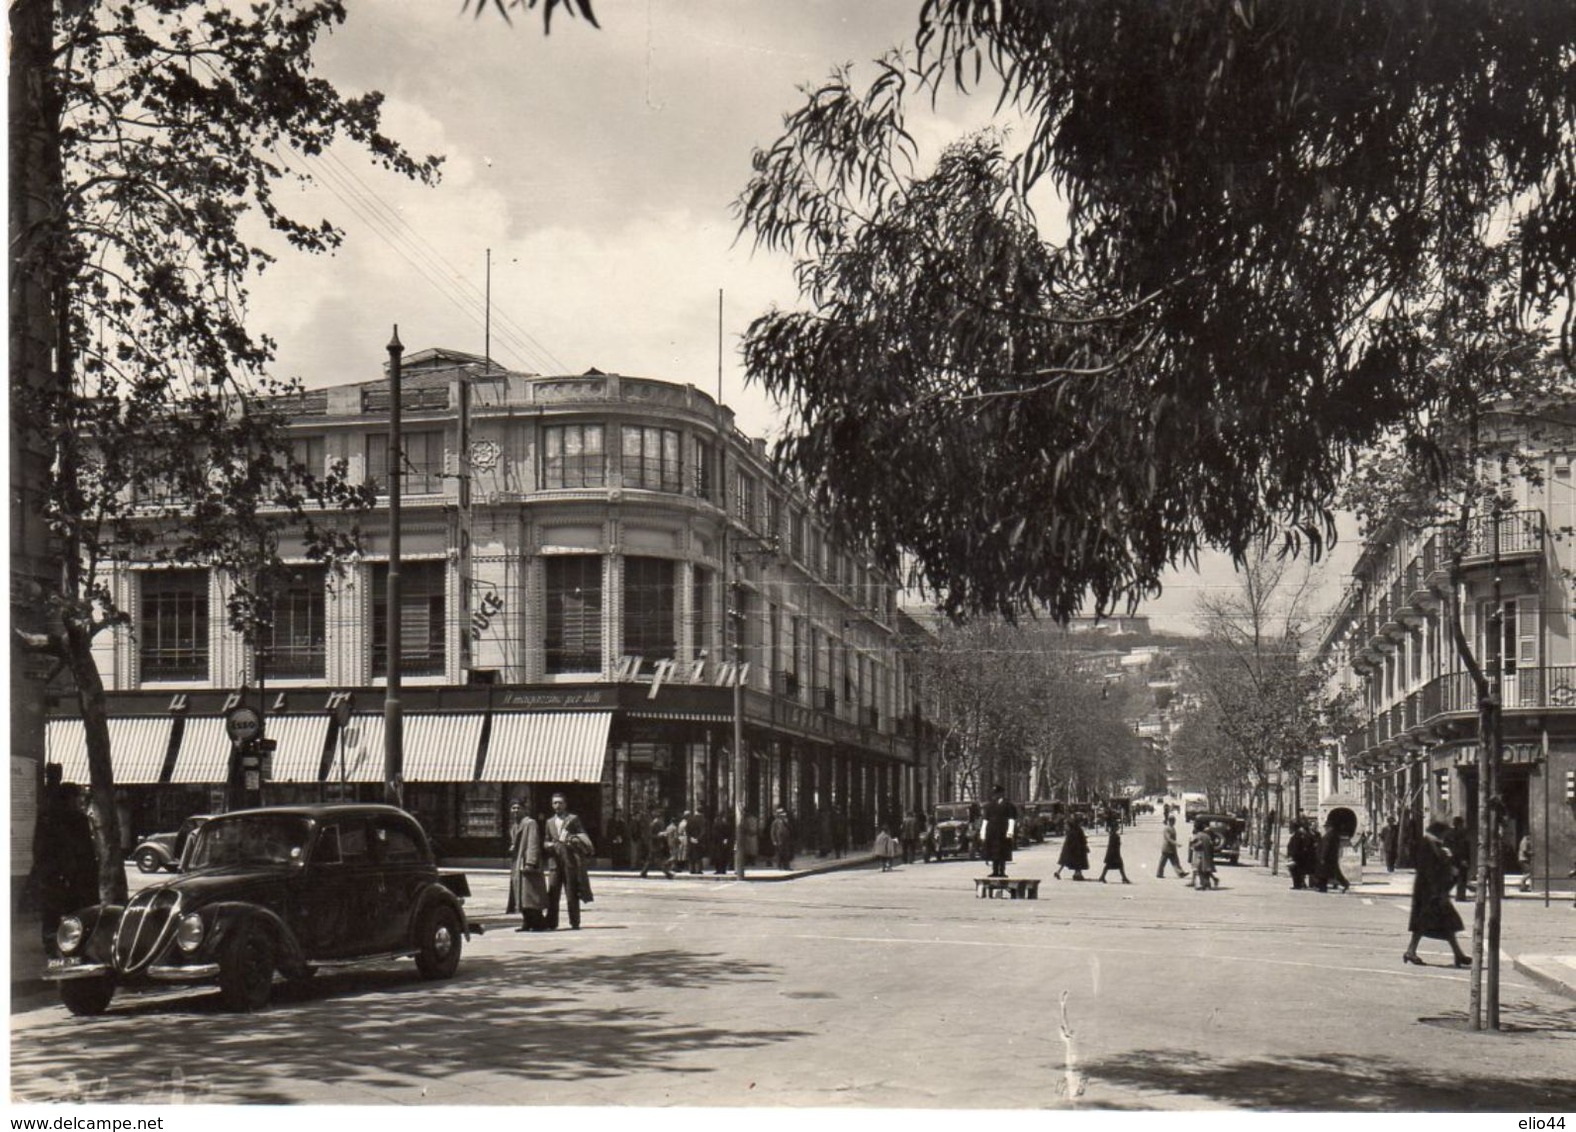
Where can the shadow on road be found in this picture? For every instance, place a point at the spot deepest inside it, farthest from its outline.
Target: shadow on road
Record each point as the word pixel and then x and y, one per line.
pixel 1342 1083
pixel 518 1019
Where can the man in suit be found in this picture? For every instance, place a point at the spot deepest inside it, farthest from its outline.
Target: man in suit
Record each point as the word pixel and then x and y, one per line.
pixel 568 846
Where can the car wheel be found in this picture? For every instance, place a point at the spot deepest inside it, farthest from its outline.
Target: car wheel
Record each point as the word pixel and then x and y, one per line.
pixel 438 944
pixel 246 969
pixel 148 861
pixel 87 996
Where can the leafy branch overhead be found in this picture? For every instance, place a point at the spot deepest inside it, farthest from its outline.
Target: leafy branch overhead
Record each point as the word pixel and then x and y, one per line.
pixel 148 147
pixel 1261 201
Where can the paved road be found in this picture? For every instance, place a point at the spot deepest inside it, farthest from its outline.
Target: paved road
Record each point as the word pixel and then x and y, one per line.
pixel 859 988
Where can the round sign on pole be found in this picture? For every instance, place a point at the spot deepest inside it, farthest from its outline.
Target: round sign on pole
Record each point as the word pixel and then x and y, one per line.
pixel 243 723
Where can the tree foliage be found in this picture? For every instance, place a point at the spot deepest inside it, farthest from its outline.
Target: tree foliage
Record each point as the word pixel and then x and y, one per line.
pixel 147 153
pixel 1266 693
pixel 1016 707
pixel 1262 200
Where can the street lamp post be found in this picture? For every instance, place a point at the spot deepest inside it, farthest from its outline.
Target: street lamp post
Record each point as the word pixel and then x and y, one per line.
pixel 393 719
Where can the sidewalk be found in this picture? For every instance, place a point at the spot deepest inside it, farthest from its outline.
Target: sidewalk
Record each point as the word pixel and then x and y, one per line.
pixel 1553 972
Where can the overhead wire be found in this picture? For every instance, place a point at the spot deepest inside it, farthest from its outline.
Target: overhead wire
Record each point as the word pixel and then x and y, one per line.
pixel 522 339
pixel 390 227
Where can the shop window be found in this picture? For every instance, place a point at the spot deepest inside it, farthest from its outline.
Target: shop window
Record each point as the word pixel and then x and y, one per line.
pixel 649 598
pixel 572 456
pixel 172 632
pixel 422 623
pixel 573 640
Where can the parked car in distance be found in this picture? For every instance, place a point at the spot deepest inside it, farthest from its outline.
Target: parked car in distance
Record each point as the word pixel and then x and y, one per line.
pixel 1052 818
pixel 160 851
pixel 279 889
pixel 1226 831
pixel 949 829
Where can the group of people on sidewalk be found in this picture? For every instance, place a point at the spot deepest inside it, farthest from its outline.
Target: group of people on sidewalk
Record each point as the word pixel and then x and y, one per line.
pixel 548 866
pixel 689 843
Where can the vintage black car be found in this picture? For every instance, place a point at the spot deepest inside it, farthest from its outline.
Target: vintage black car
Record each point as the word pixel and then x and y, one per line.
pixel 1052 817
pixel 160 851
pixel 950 830
pixel 286 889
pixel 1226 832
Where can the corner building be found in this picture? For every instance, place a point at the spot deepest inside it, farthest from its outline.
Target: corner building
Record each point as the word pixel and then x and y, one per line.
pixel 577 623
pixel 1416 753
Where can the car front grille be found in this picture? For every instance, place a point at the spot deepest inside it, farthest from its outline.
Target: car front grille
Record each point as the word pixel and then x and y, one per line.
pixel 145 928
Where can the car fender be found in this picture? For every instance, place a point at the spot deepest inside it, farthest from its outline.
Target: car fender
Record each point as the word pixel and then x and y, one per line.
pixel 225 918
pixel 99 922
pixel 166 857
pixel 431 895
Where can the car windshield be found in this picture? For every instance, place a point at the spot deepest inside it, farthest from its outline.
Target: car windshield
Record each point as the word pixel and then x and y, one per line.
pixel 254 839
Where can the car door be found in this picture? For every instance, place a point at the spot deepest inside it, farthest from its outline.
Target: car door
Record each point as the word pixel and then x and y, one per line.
pixel 403 871
pixel 336 897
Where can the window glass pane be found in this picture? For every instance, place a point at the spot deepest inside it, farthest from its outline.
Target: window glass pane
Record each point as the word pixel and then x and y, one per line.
pixel 649 629
pixel 172 638
pixel 298 644
pixel 573 637
pixel 377 460
pixel 672 465
pixel 422 618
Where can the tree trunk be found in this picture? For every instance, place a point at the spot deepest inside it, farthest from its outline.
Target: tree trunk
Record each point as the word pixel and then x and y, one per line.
pixel 95 724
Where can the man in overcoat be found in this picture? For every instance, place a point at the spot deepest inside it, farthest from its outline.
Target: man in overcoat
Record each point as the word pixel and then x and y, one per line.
pixel 999 818
pixel 782 840
pixel 722 842
pixel 695 834
pixel 527 881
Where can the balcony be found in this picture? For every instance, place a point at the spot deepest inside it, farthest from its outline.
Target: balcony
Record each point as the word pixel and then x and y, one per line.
pixel 1521 535
pixel 1455 695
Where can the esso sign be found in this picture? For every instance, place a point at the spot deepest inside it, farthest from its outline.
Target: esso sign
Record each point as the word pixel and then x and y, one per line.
pixel 243 724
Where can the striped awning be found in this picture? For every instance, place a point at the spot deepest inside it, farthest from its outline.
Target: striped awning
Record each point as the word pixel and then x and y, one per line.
pixel 298 757
pixel 359 756
pixel 204 756
pixel 685 716
pixel 137 749
pixel 441 748
pixel 551 746
pixel 66 743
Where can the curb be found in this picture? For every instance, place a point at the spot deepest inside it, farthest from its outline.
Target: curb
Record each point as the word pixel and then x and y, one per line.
pixel 1552 972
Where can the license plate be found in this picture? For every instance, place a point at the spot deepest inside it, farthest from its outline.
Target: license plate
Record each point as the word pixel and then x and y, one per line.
pixel 64 963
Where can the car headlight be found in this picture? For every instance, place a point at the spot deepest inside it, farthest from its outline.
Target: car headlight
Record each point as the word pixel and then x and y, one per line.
pixel 189 933
pixel 68 935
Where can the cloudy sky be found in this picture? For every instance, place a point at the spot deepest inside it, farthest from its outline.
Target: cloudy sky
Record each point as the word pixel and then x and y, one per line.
pixel 597 166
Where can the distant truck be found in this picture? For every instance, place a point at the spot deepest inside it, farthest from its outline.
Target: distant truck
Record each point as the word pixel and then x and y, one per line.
pixel 1193 804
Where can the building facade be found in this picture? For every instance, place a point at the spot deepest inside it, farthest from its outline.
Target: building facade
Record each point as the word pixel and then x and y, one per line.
pixel 575 618
pixel 1416 753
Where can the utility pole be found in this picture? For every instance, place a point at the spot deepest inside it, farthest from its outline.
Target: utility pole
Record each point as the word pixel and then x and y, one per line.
pixel 393 719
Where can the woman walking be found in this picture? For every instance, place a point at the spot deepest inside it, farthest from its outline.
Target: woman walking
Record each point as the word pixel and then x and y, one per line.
pixel 1075 851
pixel 1433 913
pixel 1113 853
